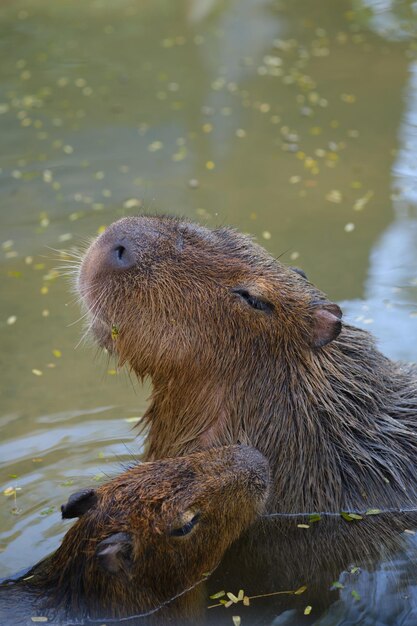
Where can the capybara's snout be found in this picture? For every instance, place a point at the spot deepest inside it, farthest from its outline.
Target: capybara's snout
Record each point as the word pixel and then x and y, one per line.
pixel 119 248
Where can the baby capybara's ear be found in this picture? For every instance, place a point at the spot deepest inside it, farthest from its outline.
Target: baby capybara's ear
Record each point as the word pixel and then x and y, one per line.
pixel 327 323
pixel 114 554
pixel 79 503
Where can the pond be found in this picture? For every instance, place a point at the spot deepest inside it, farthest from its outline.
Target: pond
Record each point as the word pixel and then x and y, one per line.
pixel 293 121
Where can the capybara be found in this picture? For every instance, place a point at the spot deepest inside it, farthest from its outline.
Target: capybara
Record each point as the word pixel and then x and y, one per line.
pixel 241 348
pixel 143 540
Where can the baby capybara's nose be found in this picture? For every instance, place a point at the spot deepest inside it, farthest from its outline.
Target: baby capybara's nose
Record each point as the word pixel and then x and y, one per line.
pixel 119 254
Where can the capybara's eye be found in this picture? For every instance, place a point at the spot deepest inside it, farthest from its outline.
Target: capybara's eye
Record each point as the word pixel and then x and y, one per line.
pixel 254 301
pixel 185 524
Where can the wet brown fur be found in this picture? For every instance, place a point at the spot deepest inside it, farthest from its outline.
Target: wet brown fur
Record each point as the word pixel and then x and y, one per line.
pixel 337 423
pixel 226 486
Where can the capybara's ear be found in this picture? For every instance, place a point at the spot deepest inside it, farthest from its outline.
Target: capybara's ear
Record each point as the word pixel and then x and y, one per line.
pixel 327 323
pixel 299 271
pixel 115 553
pixel 79 503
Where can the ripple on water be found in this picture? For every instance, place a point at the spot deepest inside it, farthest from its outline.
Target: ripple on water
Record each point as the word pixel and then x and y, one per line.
pixel 62 453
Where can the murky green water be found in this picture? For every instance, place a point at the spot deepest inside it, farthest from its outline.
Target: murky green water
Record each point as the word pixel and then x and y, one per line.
pixel 295 121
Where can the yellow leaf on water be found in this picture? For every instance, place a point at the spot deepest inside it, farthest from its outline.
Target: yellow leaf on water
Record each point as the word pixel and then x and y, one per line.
pixel 232 597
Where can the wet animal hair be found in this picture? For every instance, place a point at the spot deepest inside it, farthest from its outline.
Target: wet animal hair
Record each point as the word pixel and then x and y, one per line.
pixel 240 347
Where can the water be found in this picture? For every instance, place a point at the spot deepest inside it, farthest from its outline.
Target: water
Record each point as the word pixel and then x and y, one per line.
pixel 294 121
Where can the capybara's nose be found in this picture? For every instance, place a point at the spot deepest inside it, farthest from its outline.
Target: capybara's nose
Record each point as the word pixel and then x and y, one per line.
pixel 120 255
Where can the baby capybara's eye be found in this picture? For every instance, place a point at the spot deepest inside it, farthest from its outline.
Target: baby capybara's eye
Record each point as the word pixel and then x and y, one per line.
pixel 185 524
pixel 253 301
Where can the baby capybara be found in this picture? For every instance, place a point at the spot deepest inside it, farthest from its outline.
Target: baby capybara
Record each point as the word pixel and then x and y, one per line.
pixel 241 348
pixel 143 540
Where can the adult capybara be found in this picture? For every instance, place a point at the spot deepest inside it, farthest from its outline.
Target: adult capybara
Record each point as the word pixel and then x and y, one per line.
pixel 241 348
pixel 143 540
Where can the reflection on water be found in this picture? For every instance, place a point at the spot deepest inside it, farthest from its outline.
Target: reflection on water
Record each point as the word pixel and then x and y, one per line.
pixel 294 121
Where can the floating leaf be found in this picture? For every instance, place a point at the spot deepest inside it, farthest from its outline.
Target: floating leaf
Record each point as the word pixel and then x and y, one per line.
pixel 355 595
pixel 48 511
pixel 217 595
pixel 232 597
pixel 337 585
pixel 236 620
pixel 303 526
pixel 307 610
pixel 314 517
pixel 373 512
pixel 11 491
pixel 346 516
pixel 300 590
pixel 349 517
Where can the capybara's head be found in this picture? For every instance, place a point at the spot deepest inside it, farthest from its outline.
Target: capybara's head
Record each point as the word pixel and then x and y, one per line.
pixel 164 294
pixel 155 531
pixel 218 324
